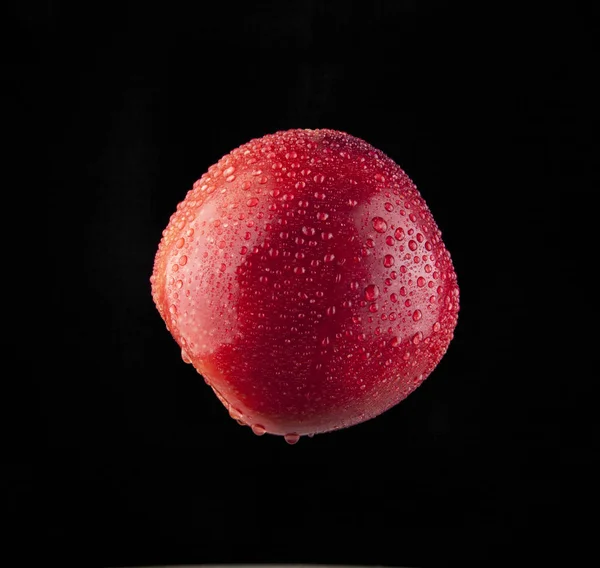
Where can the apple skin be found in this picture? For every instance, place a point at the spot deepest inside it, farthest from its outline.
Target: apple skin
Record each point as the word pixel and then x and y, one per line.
pixel 304 277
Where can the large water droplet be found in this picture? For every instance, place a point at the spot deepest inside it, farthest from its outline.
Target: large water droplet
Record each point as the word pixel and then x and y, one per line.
pixel 379 224
pixel 258 429
pixel 291 438
pixel 185 357
pixel 388 260
pixel 372 292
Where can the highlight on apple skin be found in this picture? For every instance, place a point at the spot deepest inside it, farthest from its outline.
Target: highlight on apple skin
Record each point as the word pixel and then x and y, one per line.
pixel 304 277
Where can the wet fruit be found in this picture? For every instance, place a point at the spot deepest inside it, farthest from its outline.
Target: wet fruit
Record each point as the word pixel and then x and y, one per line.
pixel 304 277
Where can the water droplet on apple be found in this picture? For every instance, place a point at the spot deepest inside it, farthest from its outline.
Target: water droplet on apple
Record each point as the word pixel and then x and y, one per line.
pixel 291 438
pixel 379 224
pixel 258 429
pixel 372 292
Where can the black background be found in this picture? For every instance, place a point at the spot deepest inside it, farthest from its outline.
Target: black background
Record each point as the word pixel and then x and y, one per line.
pixel 121 455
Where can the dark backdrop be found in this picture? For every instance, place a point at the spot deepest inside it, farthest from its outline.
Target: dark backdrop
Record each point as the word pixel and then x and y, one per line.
pixel 123 456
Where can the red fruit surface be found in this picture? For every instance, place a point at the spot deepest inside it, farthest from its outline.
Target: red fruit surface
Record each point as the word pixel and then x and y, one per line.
pixel 305 279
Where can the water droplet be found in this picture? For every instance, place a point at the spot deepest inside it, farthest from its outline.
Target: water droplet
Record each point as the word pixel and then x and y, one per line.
pixel 389 241
pixel 388 206
pixel 331 311
pixel 388 260
pixel 308 231
pixel 258 429
pixel 371 292
pixel 417 315
pixel 179 284
pixel 185 357
pixel 291 438
pixel 417 337
pixel 420 282
pixel 252 202
pixel 329 257
pixel 322 216
pixel 379 224
pixel 233 412
pixel 436 326
pixel 379 177
pixel 412 245
pixel 180 242
pixel 394 342
pixel 399 234
pixel 183 260
pixel 246 185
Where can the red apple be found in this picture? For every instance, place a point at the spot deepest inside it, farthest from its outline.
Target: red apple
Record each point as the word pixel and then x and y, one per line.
pixel 305 279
